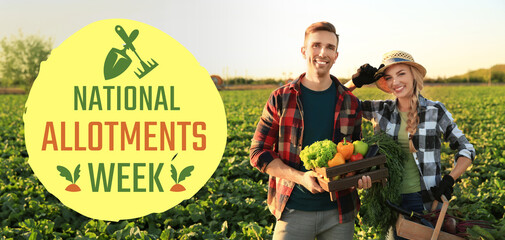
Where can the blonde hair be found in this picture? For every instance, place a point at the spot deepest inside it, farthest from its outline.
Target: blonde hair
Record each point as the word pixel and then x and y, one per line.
pixel 413 117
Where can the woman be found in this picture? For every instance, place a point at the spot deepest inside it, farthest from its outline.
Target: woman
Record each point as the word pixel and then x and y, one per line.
pixel 417 124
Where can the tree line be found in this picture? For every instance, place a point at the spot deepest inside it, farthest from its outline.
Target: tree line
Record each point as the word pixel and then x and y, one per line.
pixel 20 58
pixel 21 55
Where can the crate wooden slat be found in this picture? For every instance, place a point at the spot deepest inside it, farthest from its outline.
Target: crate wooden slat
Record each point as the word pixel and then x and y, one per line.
pixel 347 182
pixel 352 166
pixel 412 230
pixel 378 175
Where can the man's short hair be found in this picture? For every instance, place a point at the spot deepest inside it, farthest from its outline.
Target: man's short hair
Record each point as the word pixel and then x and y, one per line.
pixel 321 26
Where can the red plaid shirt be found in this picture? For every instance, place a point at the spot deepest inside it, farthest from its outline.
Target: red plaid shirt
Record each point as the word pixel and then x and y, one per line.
pixel 279 134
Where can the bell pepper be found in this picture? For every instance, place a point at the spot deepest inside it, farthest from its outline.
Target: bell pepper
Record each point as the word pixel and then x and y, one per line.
pixel 332 179
pixel 345 148
pixel 356 157
pixel 338 159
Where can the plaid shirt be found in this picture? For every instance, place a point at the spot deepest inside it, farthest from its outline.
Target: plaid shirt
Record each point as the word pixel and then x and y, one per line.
pixel 279 134
pixel 434 121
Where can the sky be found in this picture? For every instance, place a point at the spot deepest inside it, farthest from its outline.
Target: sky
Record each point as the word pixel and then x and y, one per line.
pixel 262 38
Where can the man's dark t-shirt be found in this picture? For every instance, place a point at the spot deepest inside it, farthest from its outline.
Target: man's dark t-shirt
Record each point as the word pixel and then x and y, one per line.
pixel 318 119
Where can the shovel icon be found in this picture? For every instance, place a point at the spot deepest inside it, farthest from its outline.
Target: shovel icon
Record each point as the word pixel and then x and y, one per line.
pixel 117 61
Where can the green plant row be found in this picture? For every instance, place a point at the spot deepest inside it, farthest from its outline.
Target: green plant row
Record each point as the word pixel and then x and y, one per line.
pixel 232 205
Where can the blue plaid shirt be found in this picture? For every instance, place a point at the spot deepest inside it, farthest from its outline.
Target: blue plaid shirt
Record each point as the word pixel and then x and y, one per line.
pixel 434 122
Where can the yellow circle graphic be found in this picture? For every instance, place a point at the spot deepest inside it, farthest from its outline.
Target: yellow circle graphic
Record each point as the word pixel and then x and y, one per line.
pixel 122 122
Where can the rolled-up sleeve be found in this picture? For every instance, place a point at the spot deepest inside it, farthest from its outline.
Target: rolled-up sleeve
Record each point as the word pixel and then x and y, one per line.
pixel 452 134
pixel 266 136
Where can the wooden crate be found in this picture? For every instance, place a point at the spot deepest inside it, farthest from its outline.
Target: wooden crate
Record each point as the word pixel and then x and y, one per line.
pixel 412 230
pixel 378 175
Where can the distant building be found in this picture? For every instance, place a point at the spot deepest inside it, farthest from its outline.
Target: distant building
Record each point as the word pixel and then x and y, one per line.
pixel 218 81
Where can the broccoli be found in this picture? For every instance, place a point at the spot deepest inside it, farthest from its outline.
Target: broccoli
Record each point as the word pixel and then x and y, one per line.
pixel 318 154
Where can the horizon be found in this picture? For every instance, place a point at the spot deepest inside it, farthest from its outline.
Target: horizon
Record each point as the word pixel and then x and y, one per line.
pixel 262 39
pixel 347 78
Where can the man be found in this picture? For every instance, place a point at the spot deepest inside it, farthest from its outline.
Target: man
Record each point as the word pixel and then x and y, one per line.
pixel 313 107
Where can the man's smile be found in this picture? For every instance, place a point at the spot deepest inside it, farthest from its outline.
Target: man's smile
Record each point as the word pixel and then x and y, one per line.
pixel 321 62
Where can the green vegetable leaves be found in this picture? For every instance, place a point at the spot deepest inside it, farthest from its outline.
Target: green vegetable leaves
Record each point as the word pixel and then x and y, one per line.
pixel 374 210
pixel 174 173
pixel 65 173
pixel 186 172
pixel 77 170
pixel 318 154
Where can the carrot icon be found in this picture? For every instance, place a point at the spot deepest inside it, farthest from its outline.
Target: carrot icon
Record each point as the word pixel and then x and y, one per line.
pixel 186 172
pixel 65 173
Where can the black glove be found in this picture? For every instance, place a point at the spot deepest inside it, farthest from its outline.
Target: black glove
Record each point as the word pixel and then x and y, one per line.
pixel 444 187
pixel 377 76
pixel 364 75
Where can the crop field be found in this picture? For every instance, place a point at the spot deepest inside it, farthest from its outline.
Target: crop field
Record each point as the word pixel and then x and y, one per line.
pixel 232 205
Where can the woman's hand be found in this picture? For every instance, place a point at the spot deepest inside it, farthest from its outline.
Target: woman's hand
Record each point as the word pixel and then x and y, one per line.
pixel 444 187
pixel 365 182
pixel 365 75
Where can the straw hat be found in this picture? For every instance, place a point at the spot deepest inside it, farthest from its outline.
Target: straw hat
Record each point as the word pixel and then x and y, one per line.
pixel 396 57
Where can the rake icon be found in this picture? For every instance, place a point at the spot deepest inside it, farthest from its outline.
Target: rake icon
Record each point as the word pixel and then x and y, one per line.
pixel 147 67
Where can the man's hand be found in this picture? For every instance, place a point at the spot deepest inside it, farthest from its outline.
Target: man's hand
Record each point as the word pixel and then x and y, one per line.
pixel 365 182
pixel 365 75
pixel 279 169
pixel 444 187
pixel 310 183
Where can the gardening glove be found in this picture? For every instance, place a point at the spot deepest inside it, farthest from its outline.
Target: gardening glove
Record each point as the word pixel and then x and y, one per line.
pixel 444 187
pixel 364 75
pixel 377 75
